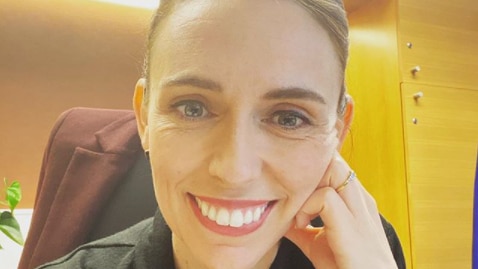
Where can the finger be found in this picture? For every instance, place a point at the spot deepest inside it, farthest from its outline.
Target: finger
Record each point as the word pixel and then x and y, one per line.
pixel 340 227
pixel 325 181
pixel 368 201
pixel 357 198
pixel 339 170
pixel 329 205
pixel 303 236
pixel 371 217
pixel 351 193
pixel 373 212
pixel 360 203
pixel 371 204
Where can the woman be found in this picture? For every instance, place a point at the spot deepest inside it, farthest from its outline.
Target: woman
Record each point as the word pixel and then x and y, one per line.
pixel 242 111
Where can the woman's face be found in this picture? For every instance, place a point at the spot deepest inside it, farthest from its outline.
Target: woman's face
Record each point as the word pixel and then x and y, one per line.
pixel 241 125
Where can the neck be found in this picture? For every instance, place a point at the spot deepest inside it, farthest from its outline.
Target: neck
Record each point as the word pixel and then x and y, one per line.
pixel 184 258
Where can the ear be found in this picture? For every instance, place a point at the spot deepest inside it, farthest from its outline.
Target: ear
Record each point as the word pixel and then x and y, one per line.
pixel 141 112
pixel 346 121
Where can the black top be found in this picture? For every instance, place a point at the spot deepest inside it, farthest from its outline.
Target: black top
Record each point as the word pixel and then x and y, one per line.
pixel 148 245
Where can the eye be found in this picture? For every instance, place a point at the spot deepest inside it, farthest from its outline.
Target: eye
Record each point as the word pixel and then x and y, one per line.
pixel 191 109
pixel 289 119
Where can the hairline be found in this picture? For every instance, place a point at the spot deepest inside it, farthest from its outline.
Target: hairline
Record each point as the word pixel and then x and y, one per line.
pixel 339 41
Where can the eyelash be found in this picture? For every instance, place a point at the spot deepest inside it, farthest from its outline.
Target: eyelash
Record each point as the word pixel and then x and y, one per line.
pixel 274 118
pixel 183 112
pixel 304 120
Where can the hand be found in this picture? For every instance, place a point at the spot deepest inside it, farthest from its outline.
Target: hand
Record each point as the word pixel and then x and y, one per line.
pixel 352 236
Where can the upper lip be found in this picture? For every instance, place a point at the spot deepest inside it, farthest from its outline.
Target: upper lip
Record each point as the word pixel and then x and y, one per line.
pixel 232 203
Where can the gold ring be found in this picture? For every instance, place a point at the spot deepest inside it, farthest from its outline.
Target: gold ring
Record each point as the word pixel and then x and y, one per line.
pixel 346 182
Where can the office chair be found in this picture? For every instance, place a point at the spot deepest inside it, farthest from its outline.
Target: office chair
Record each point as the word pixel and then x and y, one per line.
pixel 94 182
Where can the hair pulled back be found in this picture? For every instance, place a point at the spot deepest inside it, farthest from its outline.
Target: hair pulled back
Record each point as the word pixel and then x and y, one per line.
pixel 330 14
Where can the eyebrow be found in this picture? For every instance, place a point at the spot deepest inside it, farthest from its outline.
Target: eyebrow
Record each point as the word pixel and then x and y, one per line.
pixel 295 93
pixel 192 81
pixel 277 93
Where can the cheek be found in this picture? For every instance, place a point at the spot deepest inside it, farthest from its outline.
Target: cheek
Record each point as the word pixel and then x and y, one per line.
pixel 175 154
pixel 171 152
pixel 303 166
pixel 174 151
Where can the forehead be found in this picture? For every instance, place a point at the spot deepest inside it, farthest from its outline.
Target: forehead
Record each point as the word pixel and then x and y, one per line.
pixel 266 41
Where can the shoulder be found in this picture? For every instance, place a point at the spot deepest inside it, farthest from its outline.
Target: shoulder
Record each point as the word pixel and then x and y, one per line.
pixel 394 243
pixel 115 251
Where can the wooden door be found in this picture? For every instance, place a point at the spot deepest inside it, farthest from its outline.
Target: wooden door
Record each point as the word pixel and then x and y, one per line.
pixel 441 140
pixel 441 37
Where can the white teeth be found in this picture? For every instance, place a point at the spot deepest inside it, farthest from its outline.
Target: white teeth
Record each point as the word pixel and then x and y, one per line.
pixel 204 208
pixel 222 217
pixel 237 218
pixel 212 213
pixel 257 214
pixel 248 217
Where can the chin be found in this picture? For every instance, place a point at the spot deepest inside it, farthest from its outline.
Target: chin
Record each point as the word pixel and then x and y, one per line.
pixel 214 246
pixel 233 258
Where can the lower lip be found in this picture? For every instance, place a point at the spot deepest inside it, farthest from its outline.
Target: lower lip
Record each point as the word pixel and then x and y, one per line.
pixel 228 230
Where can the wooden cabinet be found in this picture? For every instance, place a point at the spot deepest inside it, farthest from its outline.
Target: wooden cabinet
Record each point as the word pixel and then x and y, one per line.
pixel 441 38
pixel 417 155
pixel 441 134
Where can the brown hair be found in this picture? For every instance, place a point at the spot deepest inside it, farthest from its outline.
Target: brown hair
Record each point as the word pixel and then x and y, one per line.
pixel 328 13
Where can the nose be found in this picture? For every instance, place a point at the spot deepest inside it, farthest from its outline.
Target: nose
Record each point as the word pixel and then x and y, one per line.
pixel 236 159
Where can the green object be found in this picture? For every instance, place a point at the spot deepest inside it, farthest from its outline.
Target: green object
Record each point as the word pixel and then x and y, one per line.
pixel 8 224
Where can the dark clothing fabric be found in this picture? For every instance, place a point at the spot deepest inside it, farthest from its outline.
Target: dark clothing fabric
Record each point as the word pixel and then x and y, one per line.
pixel 148 245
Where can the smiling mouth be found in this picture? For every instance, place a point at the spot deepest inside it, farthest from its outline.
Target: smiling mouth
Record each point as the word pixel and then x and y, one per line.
pixel 230 217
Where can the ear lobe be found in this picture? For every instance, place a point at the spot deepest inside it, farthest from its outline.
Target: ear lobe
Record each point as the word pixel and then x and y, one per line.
pixel 141 112
pixel 346 120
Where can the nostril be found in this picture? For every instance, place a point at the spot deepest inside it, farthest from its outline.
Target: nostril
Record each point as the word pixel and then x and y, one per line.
pixel 233 169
